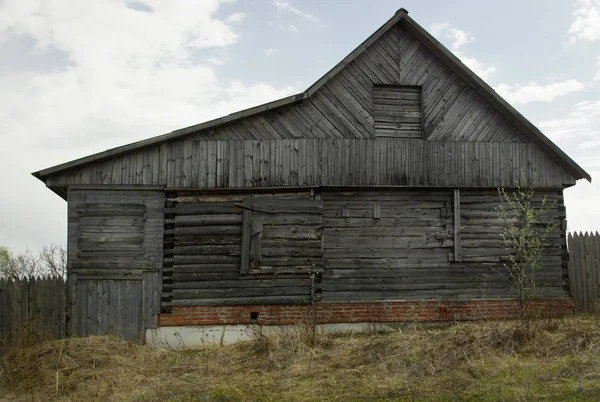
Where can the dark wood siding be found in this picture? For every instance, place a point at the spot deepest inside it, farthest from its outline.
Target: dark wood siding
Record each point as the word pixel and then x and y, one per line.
pixel 327 162
pixel 398 111
pixel 343 107
pixel 115 258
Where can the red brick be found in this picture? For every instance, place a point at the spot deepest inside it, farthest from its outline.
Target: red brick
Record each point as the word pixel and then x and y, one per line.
pixel 361 312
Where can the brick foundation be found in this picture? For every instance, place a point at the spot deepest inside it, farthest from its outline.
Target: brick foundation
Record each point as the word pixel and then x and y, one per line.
pixel 353 312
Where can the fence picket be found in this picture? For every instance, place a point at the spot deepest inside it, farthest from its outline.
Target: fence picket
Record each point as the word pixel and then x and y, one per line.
pixel 584 275
pixel 32 307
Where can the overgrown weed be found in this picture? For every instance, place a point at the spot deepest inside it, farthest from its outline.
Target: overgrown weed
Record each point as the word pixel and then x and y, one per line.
pixel 492 360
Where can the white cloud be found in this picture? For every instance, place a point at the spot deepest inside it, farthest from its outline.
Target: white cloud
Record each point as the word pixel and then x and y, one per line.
pixel 597 76
pixel 457 38
pixel 285 6
pixel 293 28
pixel 269 52
pixel 586 23
pixel 235 18
pixel 479 68
pixel 132 72
pixel 215 61
pixel 578 134
pixel 521 94
pixel 579 127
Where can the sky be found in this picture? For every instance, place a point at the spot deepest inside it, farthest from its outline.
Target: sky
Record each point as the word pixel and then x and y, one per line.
pixel 79 77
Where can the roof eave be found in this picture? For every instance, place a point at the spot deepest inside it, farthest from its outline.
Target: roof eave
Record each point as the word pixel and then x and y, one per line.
pixel 171 135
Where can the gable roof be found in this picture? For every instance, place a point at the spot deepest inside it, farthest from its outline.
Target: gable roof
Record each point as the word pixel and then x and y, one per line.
pixel 401 16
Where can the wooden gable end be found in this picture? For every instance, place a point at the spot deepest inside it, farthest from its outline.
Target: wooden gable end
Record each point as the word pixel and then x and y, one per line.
pixel 344 106
pixel 345 131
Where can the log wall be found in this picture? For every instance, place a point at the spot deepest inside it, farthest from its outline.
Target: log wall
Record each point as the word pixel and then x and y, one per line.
pixel 408 253
pixel 376 246
pixel 203 250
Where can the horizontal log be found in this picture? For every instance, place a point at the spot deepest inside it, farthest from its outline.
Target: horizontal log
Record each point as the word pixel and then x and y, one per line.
pixel 385 212
pixel 205 259
pixel 207 208
pixel 219 276
pixel 438 294
pixel 358 203
pixel 290 243
pixel 293 232
pixel 422 254
pixel 404 231
pixel 239 292
pixel 242 283
pixel 278 251
pixel 409 194
pixel 389 222
pixel 246 300
pixel 385 242
pixel 206 240
pixel 207 220
pixel 413 286
pixel 206 230
pixel 208 250
pixel 206 268
pixel 300 262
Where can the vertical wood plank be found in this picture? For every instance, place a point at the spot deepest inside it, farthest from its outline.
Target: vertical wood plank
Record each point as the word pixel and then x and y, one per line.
pixel 246 234
pixel 457 237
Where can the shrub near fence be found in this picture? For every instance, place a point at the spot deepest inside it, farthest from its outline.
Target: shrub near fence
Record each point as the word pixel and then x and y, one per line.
pixel 31 309
pixel 584 263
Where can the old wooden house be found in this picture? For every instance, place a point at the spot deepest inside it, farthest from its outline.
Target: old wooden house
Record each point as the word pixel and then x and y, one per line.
pixel 371 195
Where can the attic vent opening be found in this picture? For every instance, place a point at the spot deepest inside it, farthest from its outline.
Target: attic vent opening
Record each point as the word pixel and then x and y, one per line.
pixel 398 111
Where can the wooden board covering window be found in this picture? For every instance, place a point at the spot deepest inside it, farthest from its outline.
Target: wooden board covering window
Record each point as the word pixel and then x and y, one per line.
pixel 282 235
pixel 111 227
pixel 398 111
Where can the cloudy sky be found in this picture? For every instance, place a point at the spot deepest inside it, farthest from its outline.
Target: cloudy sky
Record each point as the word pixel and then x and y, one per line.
pixel 78 77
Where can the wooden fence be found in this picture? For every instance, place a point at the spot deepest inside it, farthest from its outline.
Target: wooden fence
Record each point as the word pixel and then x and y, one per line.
pixel 584 263
pixel 31 309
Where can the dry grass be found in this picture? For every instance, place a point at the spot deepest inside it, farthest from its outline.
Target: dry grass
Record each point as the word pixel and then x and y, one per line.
pixel 550 360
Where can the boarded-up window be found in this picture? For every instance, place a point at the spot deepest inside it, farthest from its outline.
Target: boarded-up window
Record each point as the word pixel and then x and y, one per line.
pixel 398 111
pixel 111 228
pixel 282 235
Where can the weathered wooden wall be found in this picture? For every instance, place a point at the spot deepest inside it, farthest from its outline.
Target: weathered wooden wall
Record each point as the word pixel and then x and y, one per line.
pixel 408 253
pixel 314 162
pixel 343 107
pixel 113 307
pixel 31 309
pixel 115 259
pixel 584 271
pixel 203 247
pixel 376 245
pixel 386 245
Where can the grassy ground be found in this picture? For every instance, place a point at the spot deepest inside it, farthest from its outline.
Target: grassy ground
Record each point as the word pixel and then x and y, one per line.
pixel 550 360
